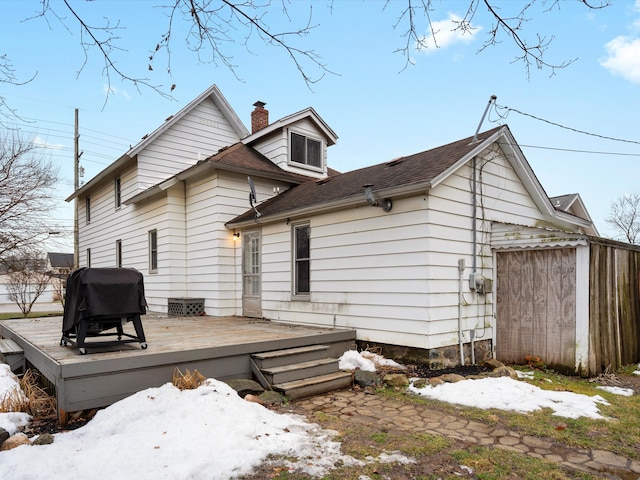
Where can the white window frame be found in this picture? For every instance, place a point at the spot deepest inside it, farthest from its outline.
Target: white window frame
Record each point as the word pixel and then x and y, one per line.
pixel 296 261
pixel 305 164
pixel 87 210
pixel 119 253
pixel 117 192
pixel 153 251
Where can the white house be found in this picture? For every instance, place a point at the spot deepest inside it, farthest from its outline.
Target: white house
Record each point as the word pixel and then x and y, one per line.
pixel 257 224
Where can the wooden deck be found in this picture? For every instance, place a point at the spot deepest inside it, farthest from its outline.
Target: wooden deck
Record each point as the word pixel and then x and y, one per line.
pixel 218 347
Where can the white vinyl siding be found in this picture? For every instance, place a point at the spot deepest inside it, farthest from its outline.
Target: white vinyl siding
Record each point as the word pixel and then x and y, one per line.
pixel 394 276
pixel 200 134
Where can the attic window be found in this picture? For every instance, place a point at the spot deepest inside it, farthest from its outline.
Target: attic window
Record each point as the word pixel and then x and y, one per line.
pixel 306 151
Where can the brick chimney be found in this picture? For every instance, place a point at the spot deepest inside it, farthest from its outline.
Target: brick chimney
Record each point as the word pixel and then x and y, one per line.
pixel 259 117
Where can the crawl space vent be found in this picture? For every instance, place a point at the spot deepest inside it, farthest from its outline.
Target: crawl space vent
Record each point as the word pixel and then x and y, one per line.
pixel 183 307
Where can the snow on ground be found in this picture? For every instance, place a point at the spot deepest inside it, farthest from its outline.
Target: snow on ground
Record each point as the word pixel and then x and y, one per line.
pixel 212 433
pixel 506 393
pixel 206 433
pixel 625 392
pixel 365 361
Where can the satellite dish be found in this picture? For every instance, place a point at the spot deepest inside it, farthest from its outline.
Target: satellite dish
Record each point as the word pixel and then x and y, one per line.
pixel 252 196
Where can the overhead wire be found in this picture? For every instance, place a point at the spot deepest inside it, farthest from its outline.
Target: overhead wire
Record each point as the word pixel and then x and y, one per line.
pixel 503 116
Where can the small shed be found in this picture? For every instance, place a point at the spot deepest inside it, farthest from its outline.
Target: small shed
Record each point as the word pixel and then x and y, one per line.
pixel 571 300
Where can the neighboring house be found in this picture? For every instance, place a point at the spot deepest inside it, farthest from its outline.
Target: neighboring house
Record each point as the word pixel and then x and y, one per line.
pixel 408 252
pixel 60 265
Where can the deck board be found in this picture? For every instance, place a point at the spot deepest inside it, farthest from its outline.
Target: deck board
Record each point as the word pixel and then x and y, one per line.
pixel 218 347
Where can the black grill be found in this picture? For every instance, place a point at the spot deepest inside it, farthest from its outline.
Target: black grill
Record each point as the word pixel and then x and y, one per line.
pixel 99 302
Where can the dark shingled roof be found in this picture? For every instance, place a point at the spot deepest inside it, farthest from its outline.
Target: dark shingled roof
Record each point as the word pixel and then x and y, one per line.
pixel 61 260
pixel 419 168
pixel 240 157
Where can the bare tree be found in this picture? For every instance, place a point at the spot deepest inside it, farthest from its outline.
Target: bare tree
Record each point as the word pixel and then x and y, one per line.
pixel 624 217
pixel 214 26
pixel 27 182
pixel 28 279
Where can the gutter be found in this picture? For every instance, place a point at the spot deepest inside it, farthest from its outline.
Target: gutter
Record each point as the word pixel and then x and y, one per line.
pixel 327 207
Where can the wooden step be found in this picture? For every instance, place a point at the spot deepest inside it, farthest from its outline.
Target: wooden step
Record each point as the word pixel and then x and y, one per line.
pixel 12 354
pixel 278 358
pixel 315 385
pixel 301 370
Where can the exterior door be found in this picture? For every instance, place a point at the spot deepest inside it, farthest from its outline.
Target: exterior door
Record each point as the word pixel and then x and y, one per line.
pixel 251 283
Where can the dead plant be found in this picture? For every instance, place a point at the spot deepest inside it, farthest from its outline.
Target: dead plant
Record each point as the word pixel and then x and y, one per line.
pixel 13 401
pixel 40 403
pixel 187 380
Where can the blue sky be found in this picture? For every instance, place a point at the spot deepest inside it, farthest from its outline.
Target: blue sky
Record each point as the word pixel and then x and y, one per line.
pixel 378 108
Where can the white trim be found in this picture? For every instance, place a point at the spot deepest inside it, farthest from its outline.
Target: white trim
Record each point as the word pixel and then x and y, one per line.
pixel 582 307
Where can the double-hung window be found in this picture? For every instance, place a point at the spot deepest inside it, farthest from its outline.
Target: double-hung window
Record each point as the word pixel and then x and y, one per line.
pixel 301 260
pixel 87 209
pixel 305 150
pixel 117 192
pixel 119 253
pixel 153 251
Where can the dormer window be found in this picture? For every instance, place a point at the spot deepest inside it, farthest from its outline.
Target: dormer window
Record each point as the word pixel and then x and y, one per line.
pixel 306 151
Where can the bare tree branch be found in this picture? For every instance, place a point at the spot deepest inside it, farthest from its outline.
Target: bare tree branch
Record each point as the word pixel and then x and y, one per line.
pixel 27 182
pixel 214 26
pixel 511 27
pixel 28 278
pixel 624 217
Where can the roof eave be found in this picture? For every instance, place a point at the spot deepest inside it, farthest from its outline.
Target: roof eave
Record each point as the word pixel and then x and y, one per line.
pixel 216 97
pixel 111 169
pixel 288 120
pixel 327 207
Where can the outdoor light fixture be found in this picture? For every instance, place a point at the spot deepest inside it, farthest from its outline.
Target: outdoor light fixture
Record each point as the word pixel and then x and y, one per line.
pixel 385 204
pixel 236 236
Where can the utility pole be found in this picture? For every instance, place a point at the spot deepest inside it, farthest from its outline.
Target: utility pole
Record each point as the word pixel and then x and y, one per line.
pixel 76 185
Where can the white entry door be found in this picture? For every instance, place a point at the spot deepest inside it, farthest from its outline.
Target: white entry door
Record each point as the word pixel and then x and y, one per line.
pixel 251 284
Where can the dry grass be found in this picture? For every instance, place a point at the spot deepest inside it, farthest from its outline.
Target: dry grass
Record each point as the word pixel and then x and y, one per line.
pixel 13 401
pixel 187 380
pixel 40 403
pixel 30 398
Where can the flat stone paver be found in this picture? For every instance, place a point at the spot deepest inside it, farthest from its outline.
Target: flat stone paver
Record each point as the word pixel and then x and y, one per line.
pixel 362 407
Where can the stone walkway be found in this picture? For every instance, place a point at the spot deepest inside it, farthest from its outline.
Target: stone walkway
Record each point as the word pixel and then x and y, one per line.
pixel 362 407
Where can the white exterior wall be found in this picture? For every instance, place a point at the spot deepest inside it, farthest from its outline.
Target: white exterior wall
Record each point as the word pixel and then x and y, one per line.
pixel 131 224
pixel 214 259
pixel 394 276
pixel 196 136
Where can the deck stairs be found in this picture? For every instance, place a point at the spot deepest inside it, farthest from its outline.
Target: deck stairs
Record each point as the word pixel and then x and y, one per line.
pixel 299 372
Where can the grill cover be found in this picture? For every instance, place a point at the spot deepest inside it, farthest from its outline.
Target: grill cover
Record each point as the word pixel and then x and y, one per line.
pixel 102 293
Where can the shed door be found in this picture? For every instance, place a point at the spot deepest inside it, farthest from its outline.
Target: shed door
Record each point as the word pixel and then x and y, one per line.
pixel 251 284
pixel 536 306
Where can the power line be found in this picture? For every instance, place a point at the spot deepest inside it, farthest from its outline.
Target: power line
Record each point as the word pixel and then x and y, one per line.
pixel 573 150
pixel 555 124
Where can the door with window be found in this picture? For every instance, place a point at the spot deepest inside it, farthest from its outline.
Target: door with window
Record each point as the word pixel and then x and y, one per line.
pixel 251 283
